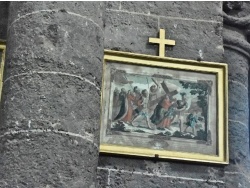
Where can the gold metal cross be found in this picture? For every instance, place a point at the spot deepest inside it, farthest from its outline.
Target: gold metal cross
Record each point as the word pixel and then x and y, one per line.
pixel 162 42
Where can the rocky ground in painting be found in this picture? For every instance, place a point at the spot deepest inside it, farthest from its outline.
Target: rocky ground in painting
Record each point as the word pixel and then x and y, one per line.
pixel 173 131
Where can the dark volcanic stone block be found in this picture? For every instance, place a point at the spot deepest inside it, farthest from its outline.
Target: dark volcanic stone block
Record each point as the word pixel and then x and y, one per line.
pixel 123 179
pixel 171 168
pixel 195 10
pixel 113 4
pixel 45 160
pixel 238 142
pixel 90 10
pixel 237 66
pixel 52 101
pixel 50 115
pixel 237 180
pixel 3 19
pixel 61 42
pixel 102 178
pixel 194 40
pixel 127 32
pixel 238 102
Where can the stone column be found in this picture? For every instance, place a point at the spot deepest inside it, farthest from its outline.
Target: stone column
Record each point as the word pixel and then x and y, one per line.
pixel 50 106
pixel 3 19
pixel 237 54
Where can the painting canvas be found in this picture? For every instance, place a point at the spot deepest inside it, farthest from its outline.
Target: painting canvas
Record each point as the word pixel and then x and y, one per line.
pixel 160 108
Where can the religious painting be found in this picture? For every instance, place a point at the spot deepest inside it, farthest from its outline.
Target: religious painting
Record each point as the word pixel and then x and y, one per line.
pixel 164 107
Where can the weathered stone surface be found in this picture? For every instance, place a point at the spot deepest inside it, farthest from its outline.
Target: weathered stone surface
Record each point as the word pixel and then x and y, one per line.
pixel 237 39
pixel 89 10
pixel 102 178
pixel 124 163
pixel 238 102
pixel 129 179
pixel 55 101
pixel 45 160
pixel 113 4
pixel 177 169
pixel 3 19
pixel 193 40
pixel 50 114
pixel 236 8
pixel 237 67
pixel 237 180
pixel 195 10
pixel 53 73
pixel 238 142
pixel 237 48
pixel 127 32
pixel 56 44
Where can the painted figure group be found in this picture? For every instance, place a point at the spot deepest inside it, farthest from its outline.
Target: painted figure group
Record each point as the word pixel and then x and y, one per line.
pixel 133 104
pixel 150 108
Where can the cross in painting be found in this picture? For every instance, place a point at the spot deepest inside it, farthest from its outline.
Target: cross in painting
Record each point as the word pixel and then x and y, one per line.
pixel 162 42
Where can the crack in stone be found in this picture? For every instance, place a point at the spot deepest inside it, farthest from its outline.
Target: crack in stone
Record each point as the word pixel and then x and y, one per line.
pixel 53 72
pixel 167 17
pixel 227 172
pixel 108 182
pixel 235 121
pixel 161 175
pixel 88 137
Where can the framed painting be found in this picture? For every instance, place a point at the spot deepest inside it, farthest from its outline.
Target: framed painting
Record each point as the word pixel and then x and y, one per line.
pixel 164 107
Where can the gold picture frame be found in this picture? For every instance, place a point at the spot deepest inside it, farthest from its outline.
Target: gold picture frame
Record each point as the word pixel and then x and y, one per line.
pixel 2 61
pixel 164 107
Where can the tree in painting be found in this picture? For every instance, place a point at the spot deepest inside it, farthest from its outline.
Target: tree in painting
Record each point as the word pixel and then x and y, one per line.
pixel 202 89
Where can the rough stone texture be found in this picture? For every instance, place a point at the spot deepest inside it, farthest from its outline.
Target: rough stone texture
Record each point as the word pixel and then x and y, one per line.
pixel 3 19
pixel 102 178
pixel 239 145
pixel 55 101
pixel 237 71
pixel 194 40
pixel 45 160
pixel 122 180
pixel 88 10
pixel 237 180
pixel 193 10
pixel 127 32
pixel 130 32
pixel 113 4
pixel 50 114
pixel 175 169
pixel 56 38
pixel 53 76
pixel 238 102
pixel 237 8
pixel 237 48
pixel 197 29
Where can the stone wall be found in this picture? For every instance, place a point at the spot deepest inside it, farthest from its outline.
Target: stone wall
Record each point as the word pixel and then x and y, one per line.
pixel 3 20
pixel 50 109
pixel 197 28
pixel 50 105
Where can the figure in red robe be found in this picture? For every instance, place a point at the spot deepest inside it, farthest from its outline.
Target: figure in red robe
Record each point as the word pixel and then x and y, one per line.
pixel 126 111
pixel 163 113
